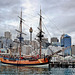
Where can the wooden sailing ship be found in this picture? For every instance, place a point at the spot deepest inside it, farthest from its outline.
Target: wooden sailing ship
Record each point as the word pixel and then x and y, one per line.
pixel 31 61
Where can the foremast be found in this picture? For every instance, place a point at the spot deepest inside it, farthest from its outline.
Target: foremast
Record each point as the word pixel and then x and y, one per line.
pixel 20 34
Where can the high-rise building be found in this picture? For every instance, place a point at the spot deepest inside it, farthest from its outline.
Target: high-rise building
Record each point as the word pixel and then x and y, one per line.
pixel 66 42
pixel 73 49
pixel 7 35
pixel 54 39
pixel 45 42
pixel 26 49
pixel 5 43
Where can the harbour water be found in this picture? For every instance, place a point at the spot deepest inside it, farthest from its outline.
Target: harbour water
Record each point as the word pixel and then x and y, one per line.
pixel 22 70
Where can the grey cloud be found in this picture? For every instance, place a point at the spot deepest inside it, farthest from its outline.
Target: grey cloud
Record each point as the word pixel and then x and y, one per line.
pixel 60 12
pixel 8 9
pixel 9 3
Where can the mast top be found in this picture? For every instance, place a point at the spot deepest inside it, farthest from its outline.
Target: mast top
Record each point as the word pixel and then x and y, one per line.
pixel 21 21
pixel 40 25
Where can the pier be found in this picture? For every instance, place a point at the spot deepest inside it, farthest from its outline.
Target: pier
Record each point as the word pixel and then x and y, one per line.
pixel 62 64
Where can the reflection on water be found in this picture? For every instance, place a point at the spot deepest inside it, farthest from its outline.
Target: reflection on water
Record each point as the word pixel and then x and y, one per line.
pixel 22 70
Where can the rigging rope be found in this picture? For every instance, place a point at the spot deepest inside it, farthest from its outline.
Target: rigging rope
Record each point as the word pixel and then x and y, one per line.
pixel 53 23
pixel 29 26
pixel 46 29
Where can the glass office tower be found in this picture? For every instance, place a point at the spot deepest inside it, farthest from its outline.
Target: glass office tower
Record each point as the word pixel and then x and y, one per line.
pixel 66 42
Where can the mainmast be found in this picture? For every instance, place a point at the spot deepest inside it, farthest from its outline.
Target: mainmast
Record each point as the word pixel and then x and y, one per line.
pixel 40 33
pixel 20 38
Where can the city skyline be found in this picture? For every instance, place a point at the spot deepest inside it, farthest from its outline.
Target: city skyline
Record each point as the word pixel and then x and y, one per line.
pixel 58 17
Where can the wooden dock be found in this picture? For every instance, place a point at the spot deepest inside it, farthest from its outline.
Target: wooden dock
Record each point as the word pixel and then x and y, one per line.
pixel 62 64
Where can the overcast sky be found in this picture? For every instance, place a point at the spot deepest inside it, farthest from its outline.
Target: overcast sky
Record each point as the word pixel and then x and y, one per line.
pixel 58 17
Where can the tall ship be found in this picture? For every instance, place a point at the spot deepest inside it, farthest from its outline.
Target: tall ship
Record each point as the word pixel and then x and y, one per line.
pixel 24 61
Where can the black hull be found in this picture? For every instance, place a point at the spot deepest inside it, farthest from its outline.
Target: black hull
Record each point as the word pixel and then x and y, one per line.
pixel 26 64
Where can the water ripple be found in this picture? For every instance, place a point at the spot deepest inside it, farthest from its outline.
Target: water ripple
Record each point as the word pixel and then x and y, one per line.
pixel 14 70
